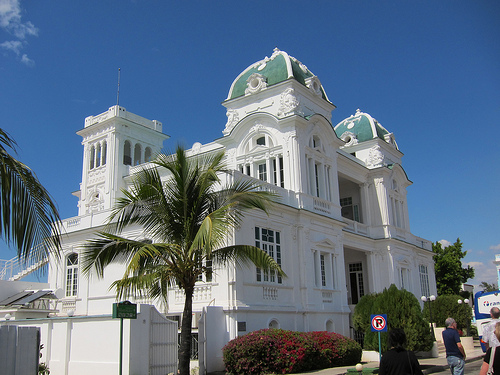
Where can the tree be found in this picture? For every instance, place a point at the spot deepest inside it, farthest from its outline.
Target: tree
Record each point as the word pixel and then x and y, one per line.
pixel 487 287
pixel 186 219
pixel 28 215
pixel 448 268
pixel 446 306
pixel 403 311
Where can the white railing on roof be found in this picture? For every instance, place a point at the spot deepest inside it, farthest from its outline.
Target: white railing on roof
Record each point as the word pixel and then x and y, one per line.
pixel 15 269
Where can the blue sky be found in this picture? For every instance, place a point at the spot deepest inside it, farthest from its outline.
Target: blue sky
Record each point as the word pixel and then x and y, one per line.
pixel 428 71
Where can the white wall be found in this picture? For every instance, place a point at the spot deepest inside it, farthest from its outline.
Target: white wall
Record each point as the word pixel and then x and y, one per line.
pixel 91 344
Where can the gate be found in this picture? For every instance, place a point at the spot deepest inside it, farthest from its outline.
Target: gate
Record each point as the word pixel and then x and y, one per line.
pixel 19 349
pixel 162 345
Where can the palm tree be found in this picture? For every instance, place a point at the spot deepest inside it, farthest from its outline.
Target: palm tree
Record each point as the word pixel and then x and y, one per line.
pixel 28 214
pixel 189 216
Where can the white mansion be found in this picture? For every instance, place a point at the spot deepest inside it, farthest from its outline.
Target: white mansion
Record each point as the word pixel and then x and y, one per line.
pixel 340 231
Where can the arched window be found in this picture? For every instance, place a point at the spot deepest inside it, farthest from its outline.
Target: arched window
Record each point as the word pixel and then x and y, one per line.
pixel 137 154
pixel 71 275
pixel 274 324
pixel 147 154
pixel 330 327
pixel 127 153
pixel 98 156
pixel 92 157
pixel 104 150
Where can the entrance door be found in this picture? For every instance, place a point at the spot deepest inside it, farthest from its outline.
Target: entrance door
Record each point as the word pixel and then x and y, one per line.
pixel 357 288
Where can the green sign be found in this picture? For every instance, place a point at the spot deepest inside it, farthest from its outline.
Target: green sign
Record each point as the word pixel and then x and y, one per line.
pixel 125 310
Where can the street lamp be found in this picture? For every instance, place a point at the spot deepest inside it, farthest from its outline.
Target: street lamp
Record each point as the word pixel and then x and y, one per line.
pixel 430 299
pixel 466 301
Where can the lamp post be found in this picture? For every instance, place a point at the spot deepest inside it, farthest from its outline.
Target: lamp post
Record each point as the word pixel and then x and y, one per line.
pixel 430 299
pixel 466 301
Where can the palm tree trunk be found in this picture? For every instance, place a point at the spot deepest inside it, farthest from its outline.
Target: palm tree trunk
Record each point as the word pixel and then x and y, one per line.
pixel 185 346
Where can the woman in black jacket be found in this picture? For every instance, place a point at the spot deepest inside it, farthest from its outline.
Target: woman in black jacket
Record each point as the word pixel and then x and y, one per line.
pixel 398 360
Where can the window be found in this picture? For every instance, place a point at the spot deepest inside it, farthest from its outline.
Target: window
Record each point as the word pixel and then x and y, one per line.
pixel 274 324
pixel 127 153
pixel 137 154
pixel 349 210
pixel 269 241
pixel 263 172
pixel 324 269
pixel 424 280
pixel 104 150
pixel 98 156
pixel 92 157
pixel 207 275
pixel 404 278
pixel 261 141
pixel 357 288
pixel 147 154
pixel 72 275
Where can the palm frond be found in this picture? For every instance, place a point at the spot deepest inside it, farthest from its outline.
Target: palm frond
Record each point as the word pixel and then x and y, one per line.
pixel 28 214
pixel 244 255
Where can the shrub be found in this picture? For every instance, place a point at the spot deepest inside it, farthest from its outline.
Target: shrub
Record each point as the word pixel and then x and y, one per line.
pixel 284 352
pixel 403 311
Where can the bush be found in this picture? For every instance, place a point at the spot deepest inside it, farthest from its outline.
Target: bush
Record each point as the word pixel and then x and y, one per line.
pixel 284 352
pixel 403 311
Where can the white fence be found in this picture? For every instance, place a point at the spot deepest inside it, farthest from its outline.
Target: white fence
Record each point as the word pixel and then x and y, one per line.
pixel 83 345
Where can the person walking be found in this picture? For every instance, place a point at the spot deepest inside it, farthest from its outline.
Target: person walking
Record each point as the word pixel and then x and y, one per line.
pixel 398 360
pixel 489 338
pixel 492 352
pixel 455 353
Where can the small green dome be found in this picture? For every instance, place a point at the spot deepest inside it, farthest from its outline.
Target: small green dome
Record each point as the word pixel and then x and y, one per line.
pixel 278 68
pixel 360 127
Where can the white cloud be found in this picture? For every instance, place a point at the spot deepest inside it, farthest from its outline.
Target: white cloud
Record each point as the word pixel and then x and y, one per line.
pixel 27 61
pixel 445 243
pixel 13 45
pixel 496 247
pixel 10 20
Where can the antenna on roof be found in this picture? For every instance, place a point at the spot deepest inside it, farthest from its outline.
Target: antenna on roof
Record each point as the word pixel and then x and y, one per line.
pixel 118 92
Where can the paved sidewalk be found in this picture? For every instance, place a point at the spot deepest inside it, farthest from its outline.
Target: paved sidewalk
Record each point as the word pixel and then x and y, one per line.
pixel 428 365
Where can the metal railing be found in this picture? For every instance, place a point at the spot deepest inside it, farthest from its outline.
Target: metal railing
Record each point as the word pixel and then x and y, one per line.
pixel 15 269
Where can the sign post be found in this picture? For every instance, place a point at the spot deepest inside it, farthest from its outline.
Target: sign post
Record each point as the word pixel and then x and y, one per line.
pixel 123 310
pixel 379 324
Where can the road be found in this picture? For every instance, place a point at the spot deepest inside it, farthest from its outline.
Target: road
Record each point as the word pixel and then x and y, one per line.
pixel 471 367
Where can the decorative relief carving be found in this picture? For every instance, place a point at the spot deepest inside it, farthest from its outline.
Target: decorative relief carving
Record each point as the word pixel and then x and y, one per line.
pixel 232 120
pixel 314 85
pixel 258 126
pixel 97 175
pixel 95 200
pixel 349 138
pixel 289 102
pixel 255 83
pixel 196 148
pixel 375 157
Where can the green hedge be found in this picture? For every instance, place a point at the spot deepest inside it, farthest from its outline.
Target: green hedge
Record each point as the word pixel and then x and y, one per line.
pixel 284 352
pixel 403 311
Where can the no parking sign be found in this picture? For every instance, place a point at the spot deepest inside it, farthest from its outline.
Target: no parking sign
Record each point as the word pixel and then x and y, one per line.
pixel 379 323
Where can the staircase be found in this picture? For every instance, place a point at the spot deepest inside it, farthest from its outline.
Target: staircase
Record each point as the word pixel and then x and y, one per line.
pixel 15 269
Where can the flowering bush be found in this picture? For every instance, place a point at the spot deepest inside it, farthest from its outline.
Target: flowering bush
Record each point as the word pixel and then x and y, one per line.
pixel 284 352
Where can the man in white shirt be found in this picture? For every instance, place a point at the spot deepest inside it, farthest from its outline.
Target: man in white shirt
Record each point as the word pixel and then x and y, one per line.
pixel 489 337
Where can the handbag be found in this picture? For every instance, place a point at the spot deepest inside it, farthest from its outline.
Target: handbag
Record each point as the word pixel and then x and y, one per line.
pixel 492 359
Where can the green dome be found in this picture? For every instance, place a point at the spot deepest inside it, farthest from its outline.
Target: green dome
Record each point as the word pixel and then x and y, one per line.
pixel 360 126
pixel 278 68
